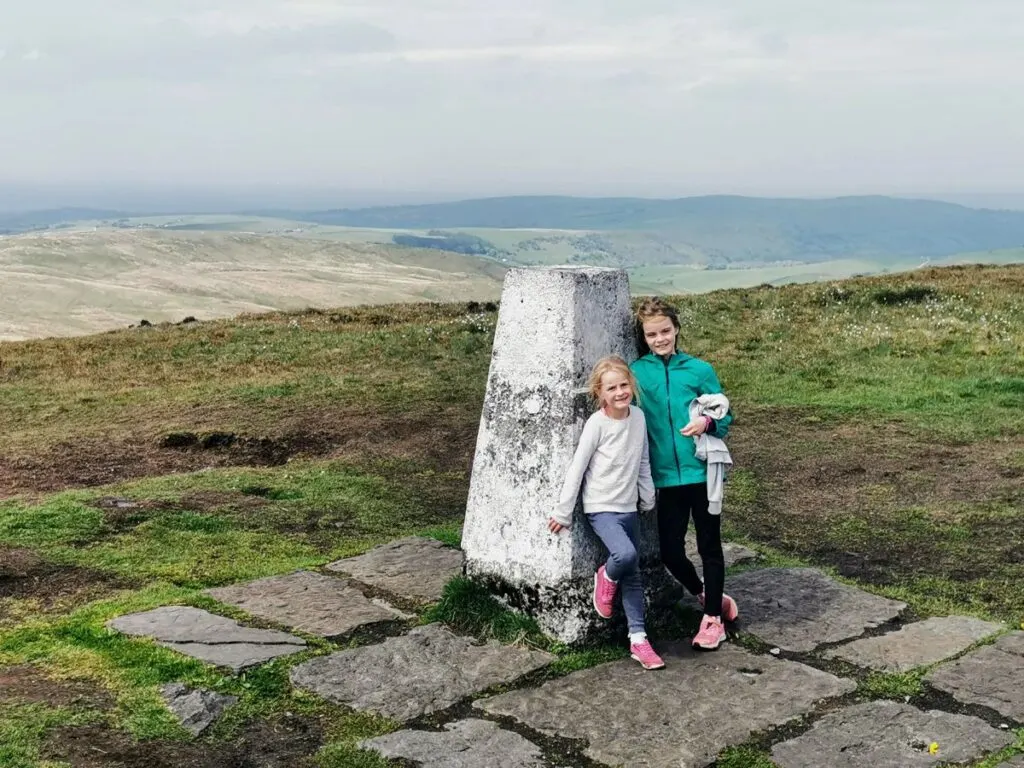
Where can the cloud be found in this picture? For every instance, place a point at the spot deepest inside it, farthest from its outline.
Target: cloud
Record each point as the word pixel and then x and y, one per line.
pixel 472 93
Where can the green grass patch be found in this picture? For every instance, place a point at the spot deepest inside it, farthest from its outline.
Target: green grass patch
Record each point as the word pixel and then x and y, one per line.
pixel 468 608
pixel 450 534
pixel 744 757
pixel 892 685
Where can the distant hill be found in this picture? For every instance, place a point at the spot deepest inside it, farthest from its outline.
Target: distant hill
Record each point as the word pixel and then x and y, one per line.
pixel 77 282
pixel 725 228
pixel 23 221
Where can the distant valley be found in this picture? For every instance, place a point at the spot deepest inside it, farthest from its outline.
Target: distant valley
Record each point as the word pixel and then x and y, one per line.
pixel 73 271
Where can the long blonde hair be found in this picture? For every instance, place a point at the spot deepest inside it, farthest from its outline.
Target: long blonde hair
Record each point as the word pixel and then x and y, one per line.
pixel 606 365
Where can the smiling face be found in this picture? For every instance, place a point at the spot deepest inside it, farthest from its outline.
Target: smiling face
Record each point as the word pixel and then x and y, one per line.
pixel 616 391
pixel 660 334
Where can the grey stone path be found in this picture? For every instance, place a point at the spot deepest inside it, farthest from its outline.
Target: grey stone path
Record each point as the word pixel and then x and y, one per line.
pixel 917 644
pixel 309 602
pixel 1013 762
pixel 213 639
pixel 414 568
pixel 683 715
pixel 799 609
pixel 885 734
pixel 462 744
pixel 991 676
pixel 424 671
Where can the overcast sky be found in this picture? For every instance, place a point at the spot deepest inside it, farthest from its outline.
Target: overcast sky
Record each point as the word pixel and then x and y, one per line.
pixel 468 97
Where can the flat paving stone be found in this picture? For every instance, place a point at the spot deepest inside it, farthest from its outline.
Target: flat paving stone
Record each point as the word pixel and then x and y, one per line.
pixel 311 602
pixel 991 676
pixel 887 734
pixel 208 637
pixel 196 708
pixel 1013 762
pixel 414 567
pixel 682 715
pixel 424 671
pixel 799 609
pixel 923 642
pixel 463 744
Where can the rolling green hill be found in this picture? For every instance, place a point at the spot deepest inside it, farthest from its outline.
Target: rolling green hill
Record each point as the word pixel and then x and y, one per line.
pixel 727 228
pixel 76 282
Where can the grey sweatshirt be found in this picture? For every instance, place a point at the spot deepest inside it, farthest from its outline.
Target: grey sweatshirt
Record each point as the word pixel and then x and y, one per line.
pixel 613 464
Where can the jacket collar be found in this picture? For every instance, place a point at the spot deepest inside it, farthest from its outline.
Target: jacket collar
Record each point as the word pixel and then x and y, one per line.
pixel 678 358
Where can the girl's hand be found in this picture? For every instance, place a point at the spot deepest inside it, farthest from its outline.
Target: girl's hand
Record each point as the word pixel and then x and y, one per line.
pixel 694 428
pixel 554 526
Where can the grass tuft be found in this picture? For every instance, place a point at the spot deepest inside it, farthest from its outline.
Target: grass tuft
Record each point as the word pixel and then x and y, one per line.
pixel 468 607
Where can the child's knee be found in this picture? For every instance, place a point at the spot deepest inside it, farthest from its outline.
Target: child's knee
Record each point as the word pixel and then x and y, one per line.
pixel 626 559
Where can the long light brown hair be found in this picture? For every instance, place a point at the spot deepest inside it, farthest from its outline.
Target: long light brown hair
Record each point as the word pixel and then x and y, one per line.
pixel 651 309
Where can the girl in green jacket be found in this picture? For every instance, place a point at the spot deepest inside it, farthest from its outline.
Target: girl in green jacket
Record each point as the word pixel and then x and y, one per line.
pixel 668 381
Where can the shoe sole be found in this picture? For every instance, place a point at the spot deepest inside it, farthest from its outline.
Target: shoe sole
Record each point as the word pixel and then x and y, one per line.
pixel 596 577
pixel 714 647
pixel 647 666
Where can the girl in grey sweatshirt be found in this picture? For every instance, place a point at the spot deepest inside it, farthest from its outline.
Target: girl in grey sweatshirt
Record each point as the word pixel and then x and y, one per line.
pixel 612 463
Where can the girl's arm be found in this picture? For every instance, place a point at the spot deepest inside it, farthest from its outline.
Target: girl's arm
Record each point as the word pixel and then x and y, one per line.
pixel 711 386
pixel 645 483
pixel 574 475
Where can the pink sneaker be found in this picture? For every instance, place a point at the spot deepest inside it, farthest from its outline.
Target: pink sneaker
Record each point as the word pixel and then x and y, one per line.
pixel 604 594
pixel 730 611
pixel 711 635
pixel 643 653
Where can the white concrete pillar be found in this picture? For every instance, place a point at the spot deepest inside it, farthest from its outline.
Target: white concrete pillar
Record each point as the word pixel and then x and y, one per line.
pixel 553 325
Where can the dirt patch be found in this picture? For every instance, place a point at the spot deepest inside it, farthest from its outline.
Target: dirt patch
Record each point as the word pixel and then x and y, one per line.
pixel 281 742
pixel 25 685
pixel 17 563
pixel 879 503
pixel 45 587
pixel 444 440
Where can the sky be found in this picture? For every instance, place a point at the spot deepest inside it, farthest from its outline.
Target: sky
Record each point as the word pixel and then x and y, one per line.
pixel 453 98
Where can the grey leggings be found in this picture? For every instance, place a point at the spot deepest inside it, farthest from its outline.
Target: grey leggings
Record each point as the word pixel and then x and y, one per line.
pixel 618 531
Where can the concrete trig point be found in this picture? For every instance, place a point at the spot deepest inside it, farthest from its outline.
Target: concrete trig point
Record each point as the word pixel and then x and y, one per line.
pixel 554 324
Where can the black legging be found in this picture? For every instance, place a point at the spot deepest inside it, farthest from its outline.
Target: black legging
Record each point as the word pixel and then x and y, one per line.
pixel 676 505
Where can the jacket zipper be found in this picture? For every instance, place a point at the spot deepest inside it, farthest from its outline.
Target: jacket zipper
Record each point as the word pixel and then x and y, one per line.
pixel 671 428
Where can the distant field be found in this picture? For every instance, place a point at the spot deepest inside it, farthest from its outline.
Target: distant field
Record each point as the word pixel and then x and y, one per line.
pixel 98 275
pixel 72 283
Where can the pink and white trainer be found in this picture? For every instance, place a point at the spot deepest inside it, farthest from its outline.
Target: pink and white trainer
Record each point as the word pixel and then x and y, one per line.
pixel 644 653
pixel 730 611
pixel 711 635
pixel 604 594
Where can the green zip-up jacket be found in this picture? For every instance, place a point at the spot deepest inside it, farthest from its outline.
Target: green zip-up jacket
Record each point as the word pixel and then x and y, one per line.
pixel 666 389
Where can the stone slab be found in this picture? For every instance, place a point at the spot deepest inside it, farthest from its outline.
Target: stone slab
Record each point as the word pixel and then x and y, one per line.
pixel 208 637
pixel 415 568
pixel 682 715
pixel 1013 762
pixel 917 644
pixel 309 602
pixel 462 744
pixel 426 670
pixel 196 708
pixel 798 609
pixel 887 734
pixel 991 676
